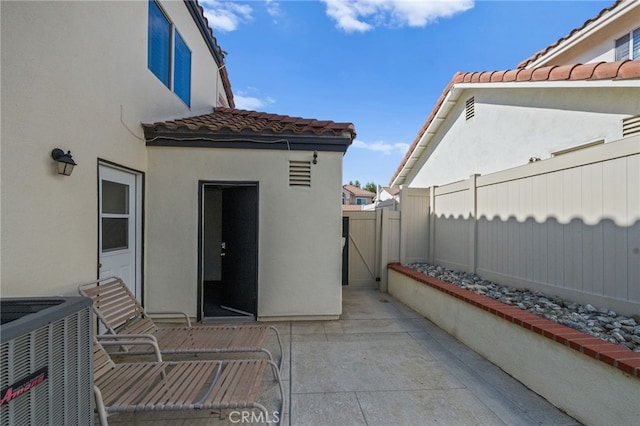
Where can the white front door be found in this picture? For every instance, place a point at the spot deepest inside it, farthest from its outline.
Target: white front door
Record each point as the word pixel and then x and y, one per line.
pixel 119 222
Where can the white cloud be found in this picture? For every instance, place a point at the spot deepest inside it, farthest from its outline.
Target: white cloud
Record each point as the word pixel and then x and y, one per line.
pixel 244 100
pixel 273 9
pixel 364 15
pixel 384 147
pixel 226 16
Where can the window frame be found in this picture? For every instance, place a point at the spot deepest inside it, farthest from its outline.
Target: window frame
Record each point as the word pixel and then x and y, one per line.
pixel 632 41
pixel 181 88
pixel 177 71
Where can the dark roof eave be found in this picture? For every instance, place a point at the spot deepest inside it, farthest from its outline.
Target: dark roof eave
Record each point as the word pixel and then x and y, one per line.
pixel 198 16
pixel 234 140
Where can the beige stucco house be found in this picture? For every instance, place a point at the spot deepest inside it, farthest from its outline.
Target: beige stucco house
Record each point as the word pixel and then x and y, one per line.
pixel 577 92
pixel 200 207
pixel 355 196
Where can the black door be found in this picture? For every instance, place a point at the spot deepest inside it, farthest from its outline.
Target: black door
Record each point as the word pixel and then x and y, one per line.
pixel 228 262
pixel 239 248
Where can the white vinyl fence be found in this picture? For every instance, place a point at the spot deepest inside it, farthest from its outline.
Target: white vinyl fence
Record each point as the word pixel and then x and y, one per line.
pixel 567 226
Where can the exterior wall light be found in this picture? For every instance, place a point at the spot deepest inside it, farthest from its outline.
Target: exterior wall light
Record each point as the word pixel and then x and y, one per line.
pixel 65 162
pixel 315 157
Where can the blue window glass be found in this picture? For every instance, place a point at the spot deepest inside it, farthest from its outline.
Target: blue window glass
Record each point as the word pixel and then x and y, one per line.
pixel 182 70
pixel 636 45
pixel 159 39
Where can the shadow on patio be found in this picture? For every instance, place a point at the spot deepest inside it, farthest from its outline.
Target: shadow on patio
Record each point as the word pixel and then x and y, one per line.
pixel 381 364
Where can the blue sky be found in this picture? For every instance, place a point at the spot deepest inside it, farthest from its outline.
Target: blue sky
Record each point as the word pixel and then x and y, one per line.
pixel 379 64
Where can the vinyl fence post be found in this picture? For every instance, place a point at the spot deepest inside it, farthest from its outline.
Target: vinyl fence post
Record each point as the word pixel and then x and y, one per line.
pixel 432 225
pixel 384 249
pixel 473 222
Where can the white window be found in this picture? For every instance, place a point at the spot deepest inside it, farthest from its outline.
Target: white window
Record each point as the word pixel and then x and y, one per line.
pixel 628 46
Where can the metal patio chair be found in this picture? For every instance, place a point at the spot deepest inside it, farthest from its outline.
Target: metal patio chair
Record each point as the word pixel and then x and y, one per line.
pixel 177 385
pixel 121 314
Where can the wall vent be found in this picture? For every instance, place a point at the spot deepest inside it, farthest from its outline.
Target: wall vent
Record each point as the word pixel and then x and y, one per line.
pixel 631 126
pixel 470 108
pixel 299 173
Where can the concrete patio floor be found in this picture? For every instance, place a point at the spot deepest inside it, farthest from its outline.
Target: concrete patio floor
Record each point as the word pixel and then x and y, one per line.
pixel 380 364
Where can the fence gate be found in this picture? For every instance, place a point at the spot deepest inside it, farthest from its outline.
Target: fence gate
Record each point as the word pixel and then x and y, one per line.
pixel 362 250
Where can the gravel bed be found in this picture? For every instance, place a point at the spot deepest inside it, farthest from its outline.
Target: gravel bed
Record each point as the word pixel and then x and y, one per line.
pixel 597 321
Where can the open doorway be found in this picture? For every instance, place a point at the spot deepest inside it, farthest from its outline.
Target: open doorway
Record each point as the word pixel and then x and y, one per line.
pixel 228 261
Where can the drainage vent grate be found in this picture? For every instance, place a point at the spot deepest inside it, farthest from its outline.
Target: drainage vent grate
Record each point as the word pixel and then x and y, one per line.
pixel 631 126
pixel 299 173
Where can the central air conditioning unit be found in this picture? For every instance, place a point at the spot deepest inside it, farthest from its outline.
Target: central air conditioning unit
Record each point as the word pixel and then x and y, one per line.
pixel 46 361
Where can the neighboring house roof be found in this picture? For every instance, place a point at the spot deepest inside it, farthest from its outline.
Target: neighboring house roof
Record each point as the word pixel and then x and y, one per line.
pixel 352 207
pixel 604 13
pixel 587 73
pixel 392 191
pixel 358 192
pixel 235 128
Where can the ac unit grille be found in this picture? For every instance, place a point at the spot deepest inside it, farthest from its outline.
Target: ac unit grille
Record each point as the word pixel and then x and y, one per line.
pixel 631 126
pixel 60 344
pixel 299 173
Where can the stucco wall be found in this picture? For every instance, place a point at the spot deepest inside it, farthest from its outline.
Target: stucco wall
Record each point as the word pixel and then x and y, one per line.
pixel 299 237
pixel 74 76
pixel 512 125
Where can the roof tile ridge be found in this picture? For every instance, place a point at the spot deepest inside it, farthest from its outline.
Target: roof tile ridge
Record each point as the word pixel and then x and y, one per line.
pixel 458 77
pixel 524 74
pixel 485 77
pixel 606 70
pixel 562 72
pixel 510 75
pixel 584 71
pixel 542 73
pixel 629 70
pixel 498 76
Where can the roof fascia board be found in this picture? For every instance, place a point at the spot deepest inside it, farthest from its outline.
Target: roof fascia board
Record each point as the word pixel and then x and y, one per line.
pixel 450 99
pixel 583 34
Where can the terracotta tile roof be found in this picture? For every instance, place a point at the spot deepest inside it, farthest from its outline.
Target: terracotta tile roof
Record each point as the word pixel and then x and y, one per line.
pixel 553 45
pixel 619 70
pixel 254 122
pixel 358 192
